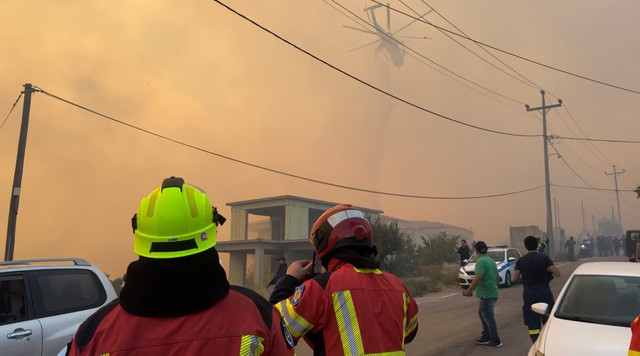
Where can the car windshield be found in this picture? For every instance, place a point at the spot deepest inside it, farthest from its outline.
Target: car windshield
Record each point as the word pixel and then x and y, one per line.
pixel 610 300
pixel 497 256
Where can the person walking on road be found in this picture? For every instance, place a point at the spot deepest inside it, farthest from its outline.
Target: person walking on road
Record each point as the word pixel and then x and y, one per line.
pixel 353 308
pixel 534 270
pixel 464 251
pixel 485 280
pixel 177 300
pixel 570 247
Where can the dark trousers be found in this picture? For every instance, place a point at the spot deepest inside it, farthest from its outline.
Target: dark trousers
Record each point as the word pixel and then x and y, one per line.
pixel 488 320
pixel 531 295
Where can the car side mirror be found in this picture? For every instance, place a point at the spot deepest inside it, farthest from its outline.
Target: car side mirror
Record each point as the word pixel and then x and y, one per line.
pixel 540 308
pixel 465 260
pixel 511 259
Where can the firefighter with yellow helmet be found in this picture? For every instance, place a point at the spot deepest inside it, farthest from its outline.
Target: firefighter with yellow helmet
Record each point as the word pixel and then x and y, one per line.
pixel 353 308
pixel 177 300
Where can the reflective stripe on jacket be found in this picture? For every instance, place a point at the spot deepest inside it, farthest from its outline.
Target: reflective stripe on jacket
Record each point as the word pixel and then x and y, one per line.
pixel 352 311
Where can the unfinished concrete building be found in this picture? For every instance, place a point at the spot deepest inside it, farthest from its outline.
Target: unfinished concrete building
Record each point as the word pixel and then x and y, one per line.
pixel 262 229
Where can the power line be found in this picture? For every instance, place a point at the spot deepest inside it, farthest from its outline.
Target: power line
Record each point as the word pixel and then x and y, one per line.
pixel 569 166
pixel 516 55
pixel 411 53
pixel 593 188
pixel 595 139
pixel 560 156
pixel 253 165
pixel 566 147
pixel 581 142
pixel 398 98
pixel 390 39
pixel 535 85
pixel 10 111
pixel 605 160
pixel 525 81
pixel 368 84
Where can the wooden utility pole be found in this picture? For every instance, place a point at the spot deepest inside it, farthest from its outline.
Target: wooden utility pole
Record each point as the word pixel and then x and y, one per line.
pixel 615 179
pixel 17 177
pixel 544 108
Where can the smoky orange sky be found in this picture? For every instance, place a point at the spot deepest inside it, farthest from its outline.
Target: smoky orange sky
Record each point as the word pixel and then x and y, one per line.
pixel 200 74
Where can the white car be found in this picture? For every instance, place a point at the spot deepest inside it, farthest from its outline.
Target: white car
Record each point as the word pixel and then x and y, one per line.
pixel 593 312
pixel 42 303
pixel 505 258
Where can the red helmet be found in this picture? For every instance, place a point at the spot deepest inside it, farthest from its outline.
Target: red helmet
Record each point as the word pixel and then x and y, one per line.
pixel 340 226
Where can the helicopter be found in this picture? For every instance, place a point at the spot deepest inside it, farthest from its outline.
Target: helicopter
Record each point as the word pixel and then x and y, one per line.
pixel 388 42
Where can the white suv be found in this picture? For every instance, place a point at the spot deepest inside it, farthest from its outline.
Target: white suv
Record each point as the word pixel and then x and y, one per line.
pixel 42 303
pixel 505 258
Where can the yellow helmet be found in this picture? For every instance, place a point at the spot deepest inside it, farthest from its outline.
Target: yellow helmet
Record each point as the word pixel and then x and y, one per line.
pixel 175 220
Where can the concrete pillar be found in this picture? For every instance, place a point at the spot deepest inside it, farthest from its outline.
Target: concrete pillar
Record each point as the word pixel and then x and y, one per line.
pixel 258 269
pixel 296 222
pixel 238 224
pixel 237 268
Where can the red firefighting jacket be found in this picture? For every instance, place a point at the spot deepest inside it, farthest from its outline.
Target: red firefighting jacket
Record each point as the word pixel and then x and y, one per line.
pixel 634 345
pixel 238 324
pixel 351 311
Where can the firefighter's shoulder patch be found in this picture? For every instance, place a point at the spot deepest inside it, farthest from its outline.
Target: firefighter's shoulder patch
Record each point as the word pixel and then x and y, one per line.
pixel 297 294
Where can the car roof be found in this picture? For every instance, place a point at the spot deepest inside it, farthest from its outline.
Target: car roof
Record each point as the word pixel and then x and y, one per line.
pixel 44 263
pixel 608 268
pixel 501 248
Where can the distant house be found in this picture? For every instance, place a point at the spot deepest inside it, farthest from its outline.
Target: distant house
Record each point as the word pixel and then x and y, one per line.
pixel 417 229
pixel 262 229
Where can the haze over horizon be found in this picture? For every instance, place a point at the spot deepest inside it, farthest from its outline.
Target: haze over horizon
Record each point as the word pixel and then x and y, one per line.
pixel 428 140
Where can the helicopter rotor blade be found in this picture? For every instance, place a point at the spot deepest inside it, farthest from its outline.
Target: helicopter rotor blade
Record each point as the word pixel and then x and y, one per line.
pixel 388 18
pixel 414 37
pixel 364 45
pixel 407 25
pixel 358 29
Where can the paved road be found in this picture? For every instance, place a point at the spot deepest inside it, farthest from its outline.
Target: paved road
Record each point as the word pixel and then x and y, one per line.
pixel 448 322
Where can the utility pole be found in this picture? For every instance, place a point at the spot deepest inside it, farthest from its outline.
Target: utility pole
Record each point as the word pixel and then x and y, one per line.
pixel 17 177
pixel 544 108
pixel 584 222
pixel 615 179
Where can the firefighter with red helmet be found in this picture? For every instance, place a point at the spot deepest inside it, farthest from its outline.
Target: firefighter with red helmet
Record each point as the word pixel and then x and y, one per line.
pixel 353 308
pixel 177 300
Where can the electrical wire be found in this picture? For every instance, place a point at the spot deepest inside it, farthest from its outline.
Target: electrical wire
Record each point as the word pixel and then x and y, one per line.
pixel 595 139
pixel 593 188
pixel 532 83
pixel 581 142
pixel 368 84
pixel 411 51
pixel 526 81
pixel 568 165
pixel 10 111
pixel 516 55
pixel 566 147
pixel 604 159
pixel 253 165
pixel 393 41
pixel 400 99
